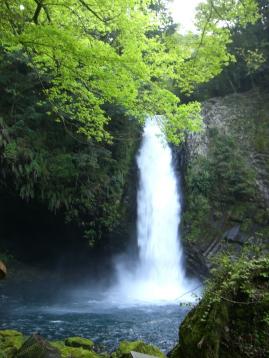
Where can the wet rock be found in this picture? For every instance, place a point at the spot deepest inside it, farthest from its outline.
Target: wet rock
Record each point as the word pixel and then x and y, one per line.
pixel 140 355
pixel 125 348
pixel 3 270
pixel 229 322
pixel 37 347
pixel 234 235
pixel 196 265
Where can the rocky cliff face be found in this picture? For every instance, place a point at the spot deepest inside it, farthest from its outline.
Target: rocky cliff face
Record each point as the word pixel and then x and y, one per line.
pixel 226 176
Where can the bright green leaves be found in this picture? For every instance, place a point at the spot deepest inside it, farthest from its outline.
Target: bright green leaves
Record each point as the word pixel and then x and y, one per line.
pixel 209 55
pixel 187 117
pixel 222 13
pixel 91 53
pixel 254 59
pixel 101 52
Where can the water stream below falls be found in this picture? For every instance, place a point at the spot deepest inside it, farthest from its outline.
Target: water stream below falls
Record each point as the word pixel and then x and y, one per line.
pixel 104 323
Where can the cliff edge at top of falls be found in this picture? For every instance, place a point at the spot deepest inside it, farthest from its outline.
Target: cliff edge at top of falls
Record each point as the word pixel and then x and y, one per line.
pixel 226 178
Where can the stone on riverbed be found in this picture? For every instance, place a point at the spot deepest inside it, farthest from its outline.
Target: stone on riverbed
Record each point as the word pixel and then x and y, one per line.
pixel 74 352
pixel 140 355
pixel 14 345
pixel 125 348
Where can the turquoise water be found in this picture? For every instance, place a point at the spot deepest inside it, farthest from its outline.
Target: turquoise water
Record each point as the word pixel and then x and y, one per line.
pixel 104 322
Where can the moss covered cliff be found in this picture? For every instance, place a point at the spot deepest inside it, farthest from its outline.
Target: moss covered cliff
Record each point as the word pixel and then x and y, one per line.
pixel 232 318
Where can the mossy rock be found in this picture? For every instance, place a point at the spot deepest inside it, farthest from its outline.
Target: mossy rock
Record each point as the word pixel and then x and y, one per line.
pixel 74 352
pixel 199 336
pixel 232 320
pixel 79 342
pixel 10 333
pixel 37 347
pixel 10 342
pixel 125 348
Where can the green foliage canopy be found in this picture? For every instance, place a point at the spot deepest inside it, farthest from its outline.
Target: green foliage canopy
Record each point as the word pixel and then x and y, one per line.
pixel 77 78
pixel 114 52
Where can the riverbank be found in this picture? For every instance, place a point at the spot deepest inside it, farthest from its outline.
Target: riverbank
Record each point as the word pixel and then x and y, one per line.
pixel 15 344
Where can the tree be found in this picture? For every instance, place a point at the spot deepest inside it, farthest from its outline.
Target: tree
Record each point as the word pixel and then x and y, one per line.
pixel 98 52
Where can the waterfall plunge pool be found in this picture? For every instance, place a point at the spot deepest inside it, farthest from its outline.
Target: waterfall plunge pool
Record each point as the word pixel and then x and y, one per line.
pixel 159 275
pixel 105 323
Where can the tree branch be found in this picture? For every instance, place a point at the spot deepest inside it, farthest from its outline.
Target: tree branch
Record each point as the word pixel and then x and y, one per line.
pixel 10 19
pixel 83 3
pixel 47 13
pixel 40 6
pixel 37 11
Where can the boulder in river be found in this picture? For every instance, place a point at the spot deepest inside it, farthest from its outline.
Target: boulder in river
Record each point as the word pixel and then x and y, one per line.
pixel 37 347
pixel 3 270
pixel 76 352
pixel 231 320
pixel 10 342
pixel 125 348
pixel 79 342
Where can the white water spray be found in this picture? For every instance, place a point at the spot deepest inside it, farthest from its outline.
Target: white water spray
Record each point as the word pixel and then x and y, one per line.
pixel 159 275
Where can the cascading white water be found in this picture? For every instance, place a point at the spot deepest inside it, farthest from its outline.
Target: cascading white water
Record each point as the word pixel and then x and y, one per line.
pixel 159 275
pixel 160 254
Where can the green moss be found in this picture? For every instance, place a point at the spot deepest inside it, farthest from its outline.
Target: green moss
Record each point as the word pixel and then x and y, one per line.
pixel 201 332
pixel 79 342
pixel 10 342
pixel 125 348
pixel 230 321
pixel 74 352
pixel 37 347
pixel 247 225
pixel 238 212
pixel 261 215
pixel 10 333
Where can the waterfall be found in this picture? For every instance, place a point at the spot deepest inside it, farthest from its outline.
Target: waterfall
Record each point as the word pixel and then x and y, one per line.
pixel 159 275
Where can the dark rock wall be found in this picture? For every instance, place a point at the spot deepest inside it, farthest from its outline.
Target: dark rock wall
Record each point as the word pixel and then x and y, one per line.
pixel 226 177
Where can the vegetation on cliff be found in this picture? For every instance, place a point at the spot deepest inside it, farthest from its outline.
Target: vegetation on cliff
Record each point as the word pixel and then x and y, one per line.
pixel 227 169
pixel 226 173
pixel 226 216
pixel 231 320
